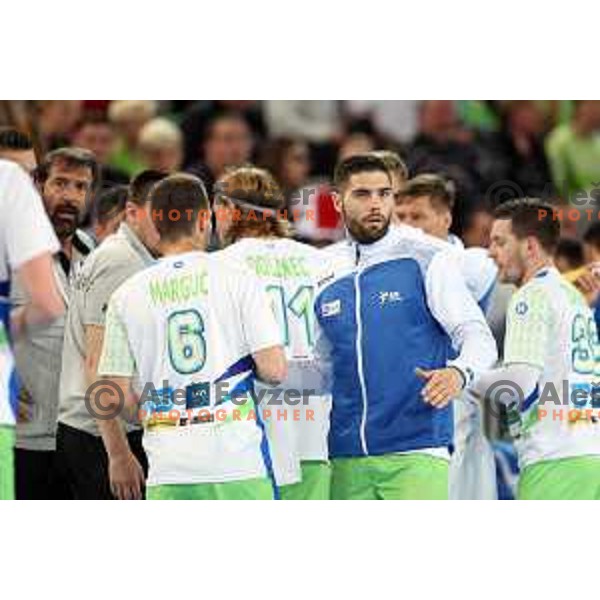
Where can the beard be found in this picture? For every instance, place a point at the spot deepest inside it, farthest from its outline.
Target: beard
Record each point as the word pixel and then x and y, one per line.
pixel 367 232
pixel 65 219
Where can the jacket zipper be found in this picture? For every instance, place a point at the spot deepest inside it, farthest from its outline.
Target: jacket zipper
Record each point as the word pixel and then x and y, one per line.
pixel 359 359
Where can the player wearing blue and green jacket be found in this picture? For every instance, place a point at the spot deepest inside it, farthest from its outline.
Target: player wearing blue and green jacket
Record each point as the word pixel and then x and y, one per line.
pixel 393 308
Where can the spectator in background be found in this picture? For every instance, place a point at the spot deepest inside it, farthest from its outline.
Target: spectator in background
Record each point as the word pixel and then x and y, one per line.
pixel 476 226
pixel 129 116
pixel 96 133
pixel 228 142
pixel 318 122
pixel 196 117
pixel 356 143
pixel 17 147
pixel 591 244
pixel 161 145
pixel 443 146
pixel 516 153
pixel 288 160
pixel 108 212
pixel 568 255
pixel 574 151
pixel 56 119
pixel 395 121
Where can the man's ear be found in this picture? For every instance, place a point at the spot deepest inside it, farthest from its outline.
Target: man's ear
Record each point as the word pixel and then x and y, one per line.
pixel 532 246
pixel 337 201
pixel 203 222
pixel 448 219
pixel 130 210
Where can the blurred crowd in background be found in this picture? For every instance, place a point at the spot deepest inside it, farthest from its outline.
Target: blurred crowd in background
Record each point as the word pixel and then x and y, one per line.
pixel 492 150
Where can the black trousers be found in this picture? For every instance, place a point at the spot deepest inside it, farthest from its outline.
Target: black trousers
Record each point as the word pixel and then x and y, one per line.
pixel 84 461
pixel 38 476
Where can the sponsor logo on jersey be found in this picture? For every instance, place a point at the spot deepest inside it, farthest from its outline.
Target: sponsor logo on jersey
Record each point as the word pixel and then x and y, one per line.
pixel 521 308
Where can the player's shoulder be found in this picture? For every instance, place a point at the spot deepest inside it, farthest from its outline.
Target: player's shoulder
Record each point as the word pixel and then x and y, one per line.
pixel 111 253
pixel 535 295
pixel 11 172
pixel 227 263
pixel 135 282
pixel 411 241
pixel 478 263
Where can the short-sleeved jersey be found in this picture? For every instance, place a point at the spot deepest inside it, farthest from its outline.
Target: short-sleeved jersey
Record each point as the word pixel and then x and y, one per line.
pixel 550 326
pixel 25 233
pixel 288 271
pixel 185 330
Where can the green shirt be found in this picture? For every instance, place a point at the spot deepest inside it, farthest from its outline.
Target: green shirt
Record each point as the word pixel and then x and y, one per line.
pixel 574 160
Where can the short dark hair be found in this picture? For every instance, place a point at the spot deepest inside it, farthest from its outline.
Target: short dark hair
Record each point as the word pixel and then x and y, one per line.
pixel 177 202
pixel 109 203
pixel 13 139
pixel 393 162
pixel 358 163
pixel 572 251
pixel 440 191
pixel 532 217
pixel 592 235
pixel 142 183
pixel 73 157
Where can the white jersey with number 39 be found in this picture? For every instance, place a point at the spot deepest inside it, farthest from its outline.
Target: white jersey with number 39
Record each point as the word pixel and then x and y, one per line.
pixel 549 326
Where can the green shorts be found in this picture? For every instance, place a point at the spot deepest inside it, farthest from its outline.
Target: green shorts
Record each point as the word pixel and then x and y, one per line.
pixel 576 478
pixel 247 489
pixel 315 484
pixel 390 477
pixel 7 474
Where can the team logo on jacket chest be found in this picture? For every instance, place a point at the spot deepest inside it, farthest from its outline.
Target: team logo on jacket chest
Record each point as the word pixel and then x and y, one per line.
pixel 390 297
pixel 330 309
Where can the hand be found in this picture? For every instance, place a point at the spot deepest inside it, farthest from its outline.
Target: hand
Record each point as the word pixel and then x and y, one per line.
pixel 126 477
pixel 589 285
pixel 443 385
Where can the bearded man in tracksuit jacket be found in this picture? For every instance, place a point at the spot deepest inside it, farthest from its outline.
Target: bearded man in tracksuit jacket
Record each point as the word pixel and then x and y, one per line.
pixel 392 308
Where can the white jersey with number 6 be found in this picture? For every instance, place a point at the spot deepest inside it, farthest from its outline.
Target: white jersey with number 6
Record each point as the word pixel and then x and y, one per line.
pixel 188 327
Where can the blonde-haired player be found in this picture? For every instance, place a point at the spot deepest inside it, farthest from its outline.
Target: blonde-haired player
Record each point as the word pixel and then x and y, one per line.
pixel 252 223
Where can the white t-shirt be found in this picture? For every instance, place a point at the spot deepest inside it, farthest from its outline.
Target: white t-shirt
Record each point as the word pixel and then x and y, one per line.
pixel 288 271
pixel 25 233
pixel 187 327
pixel 549 326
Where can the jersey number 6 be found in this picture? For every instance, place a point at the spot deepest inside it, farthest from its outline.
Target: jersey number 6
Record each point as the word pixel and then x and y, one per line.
pixel 187 346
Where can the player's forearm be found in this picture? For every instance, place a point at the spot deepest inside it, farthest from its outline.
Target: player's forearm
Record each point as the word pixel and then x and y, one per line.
pixel 114 438
pixel 477 347
pixel 512 383
pixel 94 338
pixel 37 279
